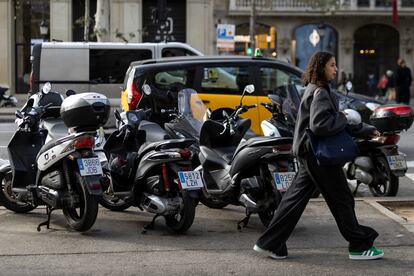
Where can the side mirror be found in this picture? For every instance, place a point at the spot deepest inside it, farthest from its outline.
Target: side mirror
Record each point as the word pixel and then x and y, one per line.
pixel 348 86
pixel 46 87
pixel 146 89
pixel 70 92
pixel 249 89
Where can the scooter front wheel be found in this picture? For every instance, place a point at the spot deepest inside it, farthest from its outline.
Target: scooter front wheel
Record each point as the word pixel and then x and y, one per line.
pixel 82 216
pixel 213 203
pixel 8 198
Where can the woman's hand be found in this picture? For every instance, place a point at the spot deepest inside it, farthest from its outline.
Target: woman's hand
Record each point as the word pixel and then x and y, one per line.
pixel 375 133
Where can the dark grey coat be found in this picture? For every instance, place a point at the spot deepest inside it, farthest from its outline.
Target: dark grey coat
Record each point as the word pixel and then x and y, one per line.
pixel 320 114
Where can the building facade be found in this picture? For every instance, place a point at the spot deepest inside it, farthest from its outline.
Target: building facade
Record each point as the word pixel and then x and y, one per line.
pixel 26 22
pixel 361 33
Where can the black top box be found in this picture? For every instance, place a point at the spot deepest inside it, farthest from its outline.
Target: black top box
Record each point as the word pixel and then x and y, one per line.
pixel 85 111
pixel 392 118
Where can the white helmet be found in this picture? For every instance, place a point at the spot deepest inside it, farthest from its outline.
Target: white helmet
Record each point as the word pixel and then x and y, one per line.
pixel 353 116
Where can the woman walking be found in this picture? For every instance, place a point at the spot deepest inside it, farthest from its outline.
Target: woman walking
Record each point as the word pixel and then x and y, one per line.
pixel 318 111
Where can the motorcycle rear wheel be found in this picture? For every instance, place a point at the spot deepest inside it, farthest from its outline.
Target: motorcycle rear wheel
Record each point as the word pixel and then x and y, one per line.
pixel 8 199
pixel 183 220
pixel 390 184
pixel 82 217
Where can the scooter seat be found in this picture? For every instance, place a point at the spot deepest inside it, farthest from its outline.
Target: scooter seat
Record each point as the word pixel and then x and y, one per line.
pixel 263 141
pixel 166 144
pixel 153 131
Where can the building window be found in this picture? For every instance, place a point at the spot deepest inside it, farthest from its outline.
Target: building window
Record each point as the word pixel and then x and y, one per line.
pixel 78 19
pixel 363 3
pixel 382 3
pixel 311 38
pixel 32 26
pixel 407 3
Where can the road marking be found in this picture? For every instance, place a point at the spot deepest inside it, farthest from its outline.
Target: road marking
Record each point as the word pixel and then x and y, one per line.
pixel 410 176
pixel 410 164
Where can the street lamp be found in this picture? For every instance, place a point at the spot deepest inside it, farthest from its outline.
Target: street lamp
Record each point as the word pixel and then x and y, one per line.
pixel 44 29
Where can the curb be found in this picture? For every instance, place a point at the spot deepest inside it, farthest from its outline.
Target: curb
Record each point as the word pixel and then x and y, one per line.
pixel 375 203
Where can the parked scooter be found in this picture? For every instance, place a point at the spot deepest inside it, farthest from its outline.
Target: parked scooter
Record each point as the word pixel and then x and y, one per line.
pixel 379 164
pixel 152 171
pixel 6 99
pixel 186 124
pixel 63 173
pixel 251 173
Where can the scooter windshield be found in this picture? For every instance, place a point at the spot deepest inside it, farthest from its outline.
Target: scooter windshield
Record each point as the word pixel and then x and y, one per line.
pixel 191 108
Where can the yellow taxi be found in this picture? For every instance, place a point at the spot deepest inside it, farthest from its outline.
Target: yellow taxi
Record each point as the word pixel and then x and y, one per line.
pixel 219 81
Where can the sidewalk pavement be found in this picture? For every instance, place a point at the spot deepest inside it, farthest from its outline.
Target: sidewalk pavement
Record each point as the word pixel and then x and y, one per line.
pixel 212 246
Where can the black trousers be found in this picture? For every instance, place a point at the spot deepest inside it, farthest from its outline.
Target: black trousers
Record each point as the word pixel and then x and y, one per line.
pixel 333 185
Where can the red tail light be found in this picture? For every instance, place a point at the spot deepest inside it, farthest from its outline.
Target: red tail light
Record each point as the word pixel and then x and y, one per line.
pixel 84 142
pixel 400 110
pixel 165 178
pixel 133 95
pixel 185 153
pixel 285 147
pixel 392 139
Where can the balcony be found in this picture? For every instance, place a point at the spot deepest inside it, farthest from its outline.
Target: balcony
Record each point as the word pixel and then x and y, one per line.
pixel 316 7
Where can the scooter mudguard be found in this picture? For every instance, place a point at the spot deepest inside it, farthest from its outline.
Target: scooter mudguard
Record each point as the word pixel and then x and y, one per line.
pixel 195 194
pixel 93 184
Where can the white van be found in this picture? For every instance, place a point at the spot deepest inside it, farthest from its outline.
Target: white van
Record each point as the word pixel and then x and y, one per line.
pixel 94 66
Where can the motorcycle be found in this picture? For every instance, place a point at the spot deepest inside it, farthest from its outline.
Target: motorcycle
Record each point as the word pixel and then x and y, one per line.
pixel 379 164
pixel 185 125
pixel 250 173
pixel 6 99
pixel 151 171
pixel 63 173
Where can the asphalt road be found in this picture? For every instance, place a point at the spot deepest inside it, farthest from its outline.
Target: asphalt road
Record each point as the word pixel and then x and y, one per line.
pixel 212 246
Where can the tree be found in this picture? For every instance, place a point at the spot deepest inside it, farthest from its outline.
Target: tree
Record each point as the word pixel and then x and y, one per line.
pixel 101 27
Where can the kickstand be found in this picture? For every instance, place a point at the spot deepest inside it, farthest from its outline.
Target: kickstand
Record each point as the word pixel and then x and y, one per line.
pixel 356 188
pixel 244 221
pixel 47 222
pixel 149 226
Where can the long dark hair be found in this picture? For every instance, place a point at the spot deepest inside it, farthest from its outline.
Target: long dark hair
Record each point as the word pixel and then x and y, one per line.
pixel 315 72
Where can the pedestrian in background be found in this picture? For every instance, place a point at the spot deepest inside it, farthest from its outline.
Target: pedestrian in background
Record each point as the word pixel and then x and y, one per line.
pixel 402 82
pixel 318 111
pixel 372 84
pixel 342 81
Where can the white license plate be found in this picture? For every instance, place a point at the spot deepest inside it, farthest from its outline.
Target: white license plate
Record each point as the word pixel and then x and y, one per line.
pixel 89 166
pixel 397 162
pixel 283 180
pixel 190 180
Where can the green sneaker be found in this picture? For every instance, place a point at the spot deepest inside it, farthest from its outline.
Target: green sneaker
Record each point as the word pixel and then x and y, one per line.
pixel 370 254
